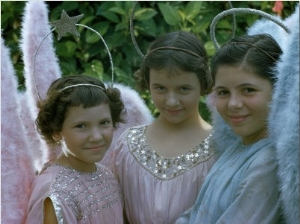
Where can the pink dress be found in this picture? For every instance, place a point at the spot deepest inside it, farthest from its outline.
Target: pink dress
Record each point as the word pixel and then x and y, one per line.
pixel 156 189
pixel 77 197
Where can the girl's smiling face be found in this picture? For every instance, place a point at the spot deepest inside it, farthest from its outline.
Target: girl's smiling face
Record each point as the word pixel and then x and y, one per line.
pixel 242 99
pixel 175 95
pixel 86 135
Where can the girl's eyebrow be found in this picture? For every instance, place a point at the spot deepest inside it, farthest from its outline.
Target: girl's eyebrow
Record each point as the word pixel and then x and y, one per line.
pixel 218 87
pixel 241 85
pixel 156 84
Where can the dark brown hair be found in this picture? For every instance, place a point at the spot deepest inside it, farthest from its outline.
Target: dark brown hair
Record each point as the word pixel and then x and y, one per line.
pixel 52 110
pixel 259 52
pixel 181 50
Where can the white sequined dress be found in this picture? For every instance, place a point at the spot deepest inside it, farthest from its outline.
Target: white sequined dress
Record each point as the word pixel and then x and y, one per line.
pixel 77 197
pixel 156 189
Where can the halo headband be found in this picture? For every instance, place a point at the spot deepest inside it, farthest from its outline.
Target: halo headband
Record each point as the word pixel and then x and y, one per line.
pixel 136 46
pixel 241 10
pixel 68 24
pixel 252 45
pixel 173 48
pixel 81 84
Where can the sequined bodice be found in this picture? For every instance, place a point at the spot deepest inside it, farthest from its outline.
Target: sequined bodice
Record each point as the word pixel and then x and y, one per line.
pixel 165 168
pixel 85 193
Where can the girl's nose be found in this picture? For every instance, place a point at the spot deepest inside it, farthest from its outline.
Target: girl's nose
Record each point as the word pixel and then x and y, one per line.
pixel 235 102
pixel 95 134
pixel 172 100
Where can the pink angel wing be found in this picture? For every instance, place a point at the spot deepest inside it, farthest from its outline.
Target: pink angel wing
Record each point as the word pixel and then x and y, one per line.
pixel 17 171
pixel 38 75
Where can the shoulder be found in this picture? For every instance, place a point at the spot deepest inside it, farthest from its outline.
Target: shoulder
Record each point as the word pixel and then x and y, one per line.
pixel 42 185
pixel 266 153
pixel 46 177
pixel 103 170
pixel 263 163
pixel 132 132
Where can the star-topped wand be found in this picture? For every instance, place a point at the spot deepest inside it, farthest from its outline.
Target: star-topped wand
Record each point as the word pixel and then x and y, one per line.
pixel 68 24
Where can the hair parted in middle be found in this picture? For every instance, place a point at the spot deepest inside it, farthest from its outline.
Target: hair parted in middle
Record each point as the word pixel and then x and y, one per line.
pixel 52 110
pixel 257 52
pixel 176 50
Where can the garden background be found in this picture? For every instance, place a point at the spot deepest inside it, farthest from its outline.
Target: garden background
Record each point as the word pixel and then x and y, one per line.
pixel 87 55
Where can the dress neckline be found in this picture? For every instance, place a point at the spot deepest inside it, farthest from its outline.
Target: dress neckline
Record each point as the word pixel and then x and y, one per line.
pixel 166 168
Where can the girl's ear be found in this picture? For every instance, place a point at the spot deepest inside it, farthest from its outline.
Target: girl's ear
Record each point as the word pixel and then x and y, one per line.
pixel 57 137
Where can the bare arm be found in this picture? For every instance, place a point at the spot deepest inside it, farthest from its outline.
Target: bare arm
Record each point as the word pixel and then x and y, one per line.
pixel 49 213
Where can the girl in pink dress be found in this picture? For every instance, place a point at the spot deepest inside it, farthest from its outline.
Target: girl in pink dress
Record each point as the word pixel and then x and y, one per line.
pixel 161 166
pixel 79 114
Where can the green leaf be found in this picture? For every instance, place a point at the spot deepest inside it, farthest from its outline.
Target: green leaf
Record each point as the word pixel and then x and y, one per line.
pixel 69 6
pixel 110 16
pixel 87 20
pixel 68 67
pixel 147 28
pixel 66 48
pixel 192 10
pixel 210 49
pixel 100 27
pixel 95 68
pixel 170 14
pixel 118 10
pixel 121 26
pixel 144 14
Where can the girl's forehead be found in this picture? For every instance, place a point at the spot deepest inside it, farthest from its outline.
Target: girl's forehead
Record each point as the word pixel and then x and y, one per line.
pixel 170 72
pixel 179 77
pixel 232 75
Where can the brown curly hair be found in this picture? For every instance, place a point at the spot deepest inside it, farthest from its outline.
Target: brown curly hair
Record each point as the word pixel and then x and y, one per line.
pixel 181 50
pixel 52 110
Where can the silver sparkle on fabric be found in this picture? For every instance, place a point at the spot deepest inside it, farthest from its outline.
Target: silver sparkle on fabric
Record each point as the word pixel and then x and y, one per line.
pixel 165 168
pixel 85 193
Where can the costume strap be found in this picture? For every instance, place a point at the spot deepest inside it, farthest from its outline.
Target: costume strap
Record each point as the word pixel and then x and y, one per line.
pixel 242 10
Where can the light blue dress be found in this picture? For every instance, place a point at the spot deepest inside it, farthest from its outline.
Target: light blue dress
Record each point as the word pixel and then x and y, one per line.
pixel 241 187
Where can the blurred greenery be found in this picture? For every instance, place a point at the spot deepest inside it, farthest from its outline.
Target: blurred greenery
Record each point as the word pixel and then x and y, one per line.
pixel 85 54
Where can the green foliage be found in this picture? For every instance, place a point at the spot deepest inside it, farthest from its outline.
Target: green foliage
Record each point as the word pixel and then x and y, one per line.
pixel 87 55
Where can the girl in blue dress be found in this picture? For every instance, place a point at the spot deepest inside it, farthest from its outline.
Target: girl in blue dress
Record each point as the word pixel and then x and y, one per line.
pixel 242 186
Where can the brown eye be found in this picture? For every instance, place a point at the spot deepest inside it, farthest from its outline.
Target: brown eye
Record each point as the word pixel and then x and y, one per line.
pixel 249 90
pixel 80 126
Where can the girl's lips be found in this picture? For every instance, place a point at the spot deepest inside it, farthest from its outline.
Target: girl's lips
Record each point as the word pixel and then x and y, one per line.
pixel 96 148
pixel 174 112
pixel 237 119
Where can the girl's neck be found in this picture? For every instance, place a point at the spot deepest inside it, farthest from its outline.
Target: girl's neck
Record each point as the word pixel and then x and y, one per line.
pixel 255 137
pixel 192 124
pixel 76 164
pixel 171 141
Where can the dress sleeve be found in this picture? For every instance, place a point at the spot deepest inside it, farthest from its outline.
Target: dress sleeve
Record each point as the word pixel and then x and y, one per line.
pixel 257 199
pixel 185 217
